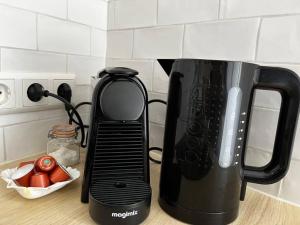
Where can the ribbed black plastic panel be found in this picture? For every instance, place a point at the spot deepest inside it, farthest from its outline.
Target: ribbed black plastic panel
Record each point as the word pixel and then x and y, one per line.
pixel 120 192
pixel 119 151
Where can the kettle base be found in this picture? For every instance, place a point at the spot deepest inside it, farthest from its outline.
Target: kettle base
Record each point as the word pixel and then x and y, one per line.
pixel 196 217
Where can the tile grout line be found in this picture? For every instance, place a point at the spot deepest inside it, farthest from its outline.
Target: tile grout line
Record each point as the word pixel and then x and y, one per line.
pixel 114 7
pixel 91 40
pixel 219 10
pixel 4 146
pixel 67 63
pixel 276 110
pixel 132 47
pixel 257 39
pixel 269 151
pixel 183 40
pixel 37 31
pixel 157 9
pixel 67 9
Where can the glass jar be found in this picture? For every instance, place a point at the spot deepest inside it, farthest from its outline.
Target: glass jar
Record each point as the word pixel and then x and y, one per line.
pixel 63 144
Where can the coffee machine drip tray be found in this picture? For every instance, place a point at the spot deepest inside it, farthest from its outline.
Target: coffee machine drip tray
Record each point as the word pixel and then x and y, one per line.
pixel 121 202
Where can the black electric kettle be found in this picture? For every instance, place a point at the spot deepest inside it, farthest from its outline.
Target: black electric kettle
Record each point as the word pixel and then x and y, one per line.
pixel 203 175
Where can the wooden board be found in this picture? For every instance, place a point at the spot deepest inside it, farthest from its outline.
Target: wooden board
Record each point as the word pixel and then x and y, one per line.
pixel 64 207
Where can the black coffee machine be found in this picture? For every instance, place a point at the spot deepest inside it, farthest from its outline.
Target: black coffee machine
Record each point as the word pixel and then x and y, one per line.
pixel 116 180
pixel 203 175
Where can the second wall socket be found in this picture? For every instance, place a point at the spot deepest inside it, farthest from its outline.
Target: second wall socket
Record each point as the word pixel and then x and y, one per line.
pixel 56 83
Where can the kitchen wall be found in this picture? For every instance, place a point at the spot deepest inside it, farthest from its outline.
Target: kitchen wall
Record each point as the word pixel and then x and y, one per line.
pixel 257 31
pixel 54 36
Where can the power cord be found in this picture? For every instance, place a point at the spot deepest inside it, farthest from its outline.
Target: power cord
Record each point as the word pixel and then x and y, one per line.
pixel 70 107
pixel 36 92
pixel 71 119
pixel 70 114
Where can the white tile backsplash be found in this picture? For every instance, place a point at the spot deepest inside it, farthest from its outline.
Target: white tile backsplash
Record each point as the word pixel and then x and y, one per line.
pixel 161 42
pixel 291 183
pixel 28 138
pixel 219 40
pixel 156 135
pixel 135 13
pixel 259 158
pixel 269 99
pixel 144 67
pixel 119 44
pixel 160 79
pixel 178 11
pixel 82 93
pixel 157 111
pixel 94 13
pixel 263 128
pixel 62 36
pixel 14 119
pixel 2 148
pixel 279 40
pixel 84 67
pixel 32 61
pixel 99 42
pixel 237 8
pixel 18 28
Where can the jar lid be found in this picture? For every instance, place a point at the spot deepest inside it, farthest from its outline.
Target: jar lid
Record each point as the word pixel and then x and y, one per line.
pixel 63 130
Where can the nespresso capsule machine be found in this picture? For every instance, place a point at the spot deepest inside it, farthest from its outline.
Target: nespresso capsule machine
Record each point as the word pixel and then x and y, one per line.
pixel 203 175
pixel 116 178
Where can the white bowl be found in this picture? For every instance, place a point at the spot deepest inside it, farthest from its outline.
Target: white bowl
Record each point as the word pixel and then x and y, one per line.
pixel 36 192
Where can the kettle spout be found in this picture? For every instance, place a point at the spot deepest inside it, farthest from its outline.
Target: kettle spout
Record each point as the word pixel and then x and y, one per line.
pixel 166 64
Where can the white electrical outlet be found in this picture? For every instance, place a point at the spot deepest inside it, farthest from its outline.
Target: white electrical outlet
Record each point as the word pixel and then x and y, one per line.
pixel 7 94
pixel 13 91
pixel 26 100
pixel 55 85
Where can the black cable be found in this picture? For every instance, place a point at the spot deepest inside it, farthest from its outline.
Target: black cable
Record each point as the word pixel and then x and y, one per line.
pixel 70 107
pixel 155 148
pixel 158 101
pixel 71 119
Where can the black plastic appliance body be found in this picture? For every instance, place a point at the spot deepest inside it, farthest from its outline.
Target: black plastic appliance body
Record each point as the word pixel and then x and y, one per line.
pixel 203 174
pixel 116 178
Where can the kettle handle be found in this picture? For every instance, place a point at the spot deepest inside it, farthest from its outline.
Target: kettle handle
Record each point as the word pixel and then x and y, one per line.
pixel 287 83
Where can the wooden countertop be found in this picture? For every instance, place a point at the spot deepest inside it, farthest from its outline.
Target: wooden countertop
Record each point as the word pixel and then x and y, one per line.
pixel 64 207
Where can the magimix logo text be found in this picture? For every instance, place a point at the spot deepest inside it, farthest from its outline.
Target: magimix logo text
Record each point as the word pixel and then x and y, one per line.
pixel 125 214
